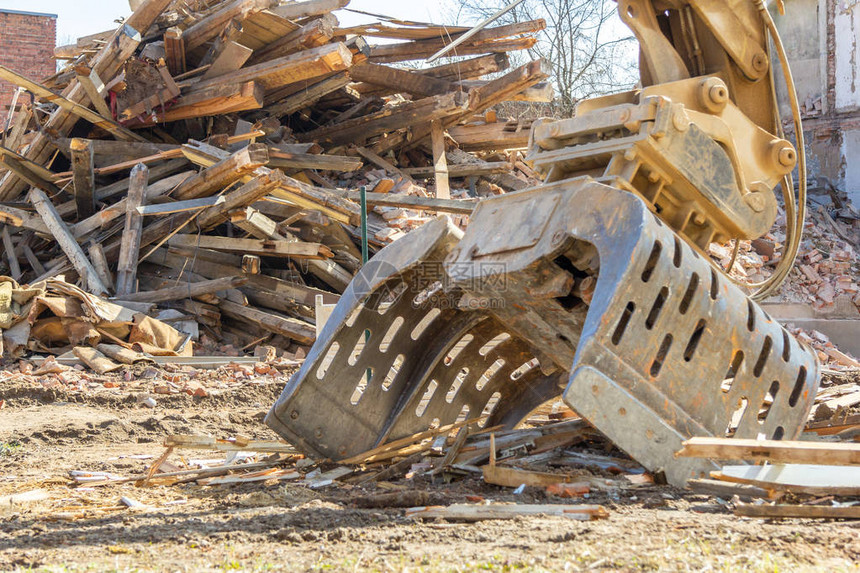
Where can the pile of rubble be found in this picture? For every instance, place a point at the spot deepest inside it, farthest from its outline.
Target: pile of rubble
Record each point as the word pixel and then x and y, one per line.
pixel 200 165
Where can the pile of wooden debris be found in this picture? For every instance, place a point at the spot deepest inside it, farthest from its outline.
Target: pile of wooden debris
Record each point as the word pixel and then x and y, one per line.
pixel 200 164
pixel 557 465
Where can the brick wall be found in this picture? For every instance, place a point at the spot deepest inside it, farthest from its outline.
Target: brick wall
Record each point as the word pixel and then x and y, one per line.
pixel 27 46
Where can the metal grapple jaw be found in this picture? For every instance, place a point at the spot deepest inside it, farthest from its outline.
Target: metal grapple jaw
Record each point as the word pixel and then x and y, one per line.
pixel 573 289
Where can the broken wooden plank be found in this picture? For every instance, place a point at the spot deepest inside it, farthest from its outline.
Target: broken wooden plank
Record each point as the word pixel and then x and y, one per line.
pixel 310 94
pixel 126 272
pixel 315 33
pixel 179 206
pixel 253 246
pixel 440 163
pixel 223 173
pixel 84 179
pixel 308 8
pixel 11 257
pixel 465 170
pixel 288 160
pixel 77 109
pixel 300 331
pixel 207 101
pixel 411 202
pixel 66 241
pixel 209 26
pixel 464 512
pixel 360 129
pixel 99 260
pixel 784 511
pixel 491 136
pixel 232 57
pixel 727 490
pixel 298 67
pixel 174 51
pixel 773 451
pixel 399 80
pixel 95 89
pixel 186 290
pixel 248 193
pixel 489 40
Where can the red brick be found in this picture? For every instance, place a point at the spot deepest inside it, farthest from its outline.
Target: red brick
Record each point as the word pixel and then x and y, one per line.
pixel 26 46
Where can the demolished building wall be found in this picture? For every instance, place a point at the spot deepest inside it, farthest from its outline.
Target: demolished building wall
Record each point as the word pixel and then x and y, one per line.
pixel 821 40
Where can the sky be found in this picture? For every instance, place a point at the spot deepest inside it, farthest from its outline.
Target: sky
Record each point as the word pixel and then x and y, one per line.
pixel 76 18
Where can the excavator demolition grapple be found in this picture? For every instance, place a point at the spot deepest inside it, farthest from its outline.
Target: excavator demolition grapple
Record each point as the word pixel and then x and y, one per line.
pixel 595 286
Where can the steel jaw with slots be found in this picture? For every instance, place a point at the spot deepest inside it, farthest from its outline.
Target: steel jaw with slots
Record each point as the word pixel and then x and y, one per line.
pixel 440 327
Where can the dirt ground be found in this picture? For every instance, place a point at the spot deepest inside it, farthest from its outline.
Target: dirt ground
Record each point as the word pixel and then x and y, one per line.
pixel 45 433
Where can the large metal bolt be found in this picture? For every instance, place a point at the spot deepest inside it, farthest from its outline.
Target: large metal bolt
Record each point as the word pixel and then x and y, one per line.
pixel 783 155
pixel 713 94
pixel 787 157
pixel 719 94
pixel 759 62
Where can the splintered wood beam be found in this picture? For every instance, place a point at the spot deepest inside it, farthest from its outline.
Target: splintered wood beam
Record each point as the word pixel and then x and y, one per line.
pixel 265 248
pixel 299 10
pixel 360 129
pixel 223 173
pixel 210 26
pixel 541 92
pixel 34 261
pixel 208 101
pixel 294 329
pixel 298 67
pixel 308 96
pixel 410 202
pixel 126 272
pixel 24 219
pixel 231 32
pixel 313 34
pixel 95 89
pixel 469 69
pixel 84 179
pixel 67 243
pixel 773 451
pixel 31 172
pixel 499 90
pixel 288 160
pixel 490 136
pixel 232 57
pixel 11 257
pixel 75 108
pixel 506 87
pixel 174 51
pixel 440 163
pixel 186 290
pixel 97 256
pixel 292 190
pixel 107 63
pixel 467 170
pixel 785 511
pixel 486 41
pixel 250 192
pixel 399 81
pixel 179 206
pixel 262 227
pixel 284 291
